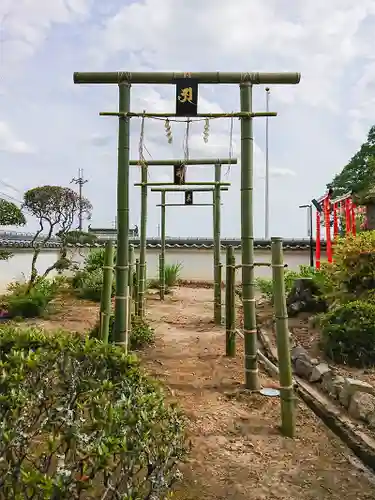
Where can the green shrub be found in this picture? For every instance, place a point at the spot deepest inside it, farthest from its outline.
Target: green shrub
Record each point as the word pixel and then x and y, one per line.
pixel 171 276
pixel 265 285
pixel 172 273
pixel 95 260
pixel 348 333
pixel 25 303
pixel 90 285
pixel 141 333
pixel 79 419
pixel 352 274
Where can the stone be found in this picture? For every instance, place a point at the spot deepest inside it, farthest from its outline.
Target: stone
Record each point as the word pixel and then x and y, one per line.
pixel 361 405
pixel 318 372
pixel 351 387
pixel 332 384
pixel 303 368
pixel 371 420
pixel 299 352
pixel 304 297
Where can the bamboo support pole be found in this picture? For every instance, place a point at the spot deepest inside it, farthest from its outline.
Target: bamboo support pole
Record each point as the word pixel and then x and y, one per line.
pixel 184 205
pixel 185 184
pixel 288 406
pixel 131 285
pixel 136 288
pixel 122 260
pixel 247 242
pixel 213 77
pixel 190 161
pixel 162 249
pixel 182 190
pixel 106 297
pixel 258 114
pixel 230 301
pixel 143 243
pixel 259 264
pixel 217 246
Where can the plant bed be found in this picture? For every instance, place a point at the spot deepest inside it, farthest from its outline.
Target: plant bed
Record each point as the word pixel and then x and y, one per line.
pixel 83 421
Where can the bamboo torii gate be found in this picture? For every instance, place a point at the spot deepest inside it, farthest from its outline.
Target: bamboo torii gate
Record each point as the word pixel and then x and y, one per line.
pixel 245 80
pixel 216 203
pixel 144 184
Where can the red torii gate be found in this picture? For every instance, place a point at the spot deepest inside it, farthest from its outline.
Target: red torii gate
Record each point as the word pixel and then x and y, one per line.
pixel 342 205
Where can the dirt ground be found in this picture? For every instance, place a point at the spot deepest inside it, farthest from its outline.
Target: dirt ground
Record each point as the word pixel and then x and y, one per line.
pixel 237 450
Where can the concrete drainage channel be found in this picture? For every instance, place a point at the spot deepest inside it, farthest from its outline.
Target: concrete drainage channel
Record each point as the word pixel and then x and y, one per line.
pixel 351 432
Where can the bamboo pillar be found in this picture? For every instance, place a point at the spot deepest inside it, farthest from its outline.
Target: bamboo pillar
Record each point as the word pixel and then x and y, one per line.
pixel 143 241
pixel 217 246
pixel 131 284
pixel 122 260
pixel 288 406
pixel 136 288
pixel 162 248
pixel 230 303
pixel 247 241
pixel 106 297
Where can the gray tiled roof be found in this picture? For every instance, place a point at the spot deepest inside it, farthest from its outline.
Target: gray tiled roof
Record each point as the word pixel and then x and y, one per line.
pixel 10 240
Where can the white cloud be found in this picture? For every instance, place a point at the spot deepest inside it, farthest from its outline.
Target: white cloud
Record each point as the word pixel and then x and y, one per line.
pixel 321 122
pixel 9 143
pixel 25 24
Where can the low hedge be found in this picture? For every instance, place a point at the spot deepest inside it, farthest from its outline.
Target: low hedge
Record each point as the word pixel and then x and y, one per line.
pixel 80 419
pixel 348 333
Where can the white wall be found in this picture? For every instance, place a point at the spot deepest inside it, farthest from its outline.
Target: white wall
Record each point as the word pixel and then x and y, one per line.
pixel 196 264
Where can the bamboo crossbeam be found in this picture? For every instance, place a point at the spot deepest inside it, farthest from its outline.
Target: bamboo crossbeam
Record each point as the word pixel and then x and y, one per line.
pixel 196 161
pixel 118 77
pixel 239 114
pixel 185 205
pixel 183 190
pixel 185 184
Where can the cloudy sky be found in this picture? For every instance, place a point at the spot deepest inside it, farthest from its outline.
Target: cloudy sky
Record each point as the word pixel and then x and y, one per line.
pixel 50 127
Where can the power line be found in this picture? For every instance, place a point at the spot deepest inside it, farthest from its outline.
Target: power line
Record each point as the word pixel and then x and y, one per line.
pixel 80 181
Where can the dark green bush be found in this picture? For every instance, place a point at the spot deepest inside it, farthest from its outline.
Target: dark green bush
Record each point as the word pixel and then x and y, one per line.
pixel 141 333
pixel 79 419
pixel 348 333
pixel 25 303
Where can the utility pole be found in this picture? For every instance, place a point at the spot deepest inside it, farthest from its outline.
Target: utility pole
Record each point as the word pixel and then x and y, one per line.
pixel 80 181
pixel 267 183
